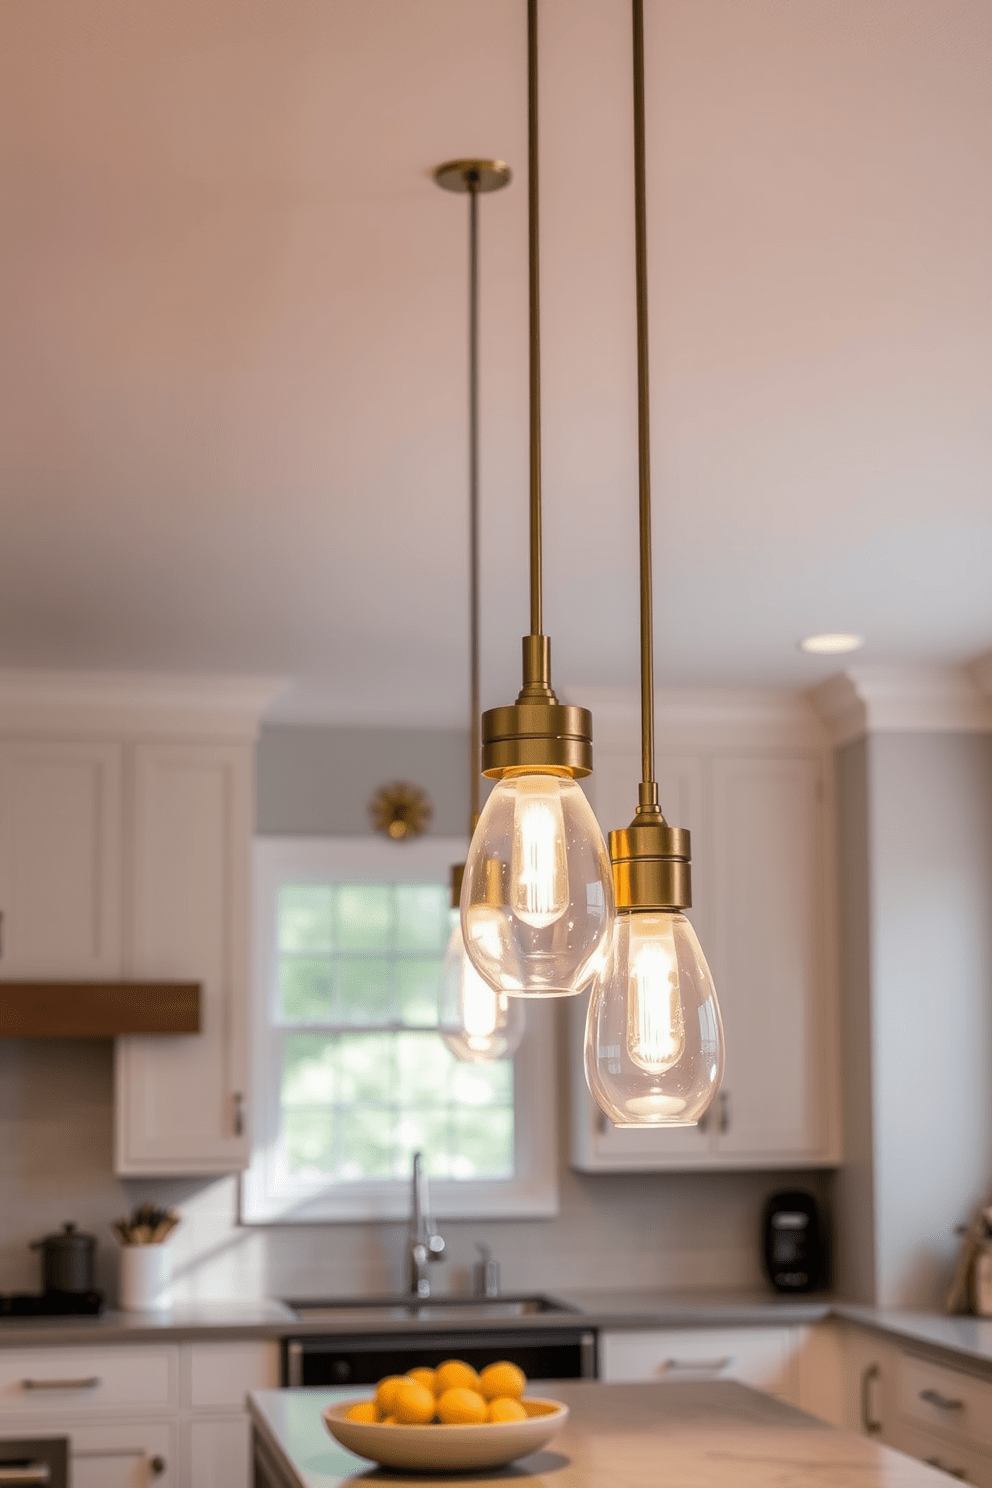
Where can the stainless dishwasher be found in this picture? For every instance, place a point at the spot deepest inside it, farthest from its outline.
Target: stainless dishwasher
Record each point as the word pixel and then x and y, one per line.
pixel 364 1359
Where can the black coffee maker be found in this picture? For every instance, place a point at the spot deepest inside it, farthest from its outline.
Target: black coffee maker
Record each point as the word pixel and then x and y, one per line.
pixel 794 1252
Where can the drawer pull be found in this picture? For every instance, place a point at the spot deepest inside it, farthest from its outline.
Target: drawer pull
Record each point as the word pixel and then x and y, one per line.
pixel 708 1366
pixel 239 1113
pixel 870 1423
pixel 89 1383
pixel 942 1402
pixel 157 1464
pixel 25 1473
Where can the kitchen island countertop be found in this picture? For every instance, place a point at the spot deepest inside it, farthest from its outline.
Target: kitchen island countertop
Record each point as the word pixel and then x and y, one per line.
pixel 629 1436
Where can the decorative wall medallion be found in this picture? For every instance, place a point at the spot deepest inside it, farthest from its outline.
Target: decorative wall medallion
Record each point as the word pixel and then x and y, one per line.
pixel 400 810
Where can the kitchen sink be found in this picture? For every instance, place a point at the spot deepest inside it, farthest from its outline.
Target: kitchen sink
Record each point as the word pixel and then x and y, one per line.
pixel 374 1312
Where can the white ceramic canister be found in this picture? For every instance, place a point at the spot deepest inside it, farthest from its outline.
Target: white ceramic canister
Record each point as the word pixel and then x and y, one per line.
pixel 145 1273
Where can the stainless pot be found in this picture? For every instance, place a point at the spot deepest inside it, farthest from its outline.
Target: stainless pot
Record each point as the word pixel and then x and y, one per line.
pixel 66 1260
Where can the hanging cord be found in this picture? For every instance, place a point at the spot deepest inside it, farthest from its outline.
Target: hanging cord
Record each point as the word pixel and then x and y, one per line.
pixel 473 487
pixel 648 794
pixel 536 618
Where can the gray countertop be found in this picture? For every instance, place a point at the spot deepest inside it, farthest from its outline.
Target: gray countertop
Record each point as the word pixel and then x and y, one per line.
pixel 962 1340
pixel 705 1435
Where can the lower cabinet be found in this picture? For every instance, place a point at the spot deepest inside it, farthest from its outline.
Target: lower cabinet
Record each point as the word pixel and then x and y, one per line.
pixel 763 1357
pixel 928 1409
pixel 155 1416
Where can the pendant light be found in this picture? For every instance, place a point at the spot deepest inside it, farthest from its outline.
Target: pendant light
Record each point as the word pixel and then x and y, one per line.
pixel 654 1036
pixel 537 897
pixel 477 1023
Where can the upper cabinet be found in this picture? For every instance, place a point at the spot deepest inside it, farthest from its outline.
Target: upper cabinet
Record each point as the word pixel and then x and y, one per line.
pixel 757 798
pixel 181 1101
pixel 126 814
pixel 60 859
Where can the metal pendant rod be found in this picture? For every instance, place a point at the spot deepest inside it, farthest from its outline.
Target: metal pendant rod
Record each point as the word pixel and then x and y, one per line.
pixel 649 788
pixel 473 487
pixel 535 326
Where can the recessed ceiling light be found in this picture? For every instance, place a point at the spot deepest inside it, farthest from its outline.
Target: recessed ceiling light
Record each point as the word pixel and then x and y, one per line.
pixel 831 644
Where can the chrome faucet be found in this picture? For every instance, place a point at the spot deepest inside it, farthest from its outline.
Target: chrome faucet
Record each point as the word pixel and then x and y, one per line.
pixel 425 1243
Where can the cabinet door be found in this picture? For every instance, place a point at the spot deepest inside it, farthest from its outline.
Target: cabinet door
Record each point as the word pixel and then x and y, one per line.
pixel 181 1100
pixel 220 1452
pixel 767 956
pixel 597 1145
pixel 60 859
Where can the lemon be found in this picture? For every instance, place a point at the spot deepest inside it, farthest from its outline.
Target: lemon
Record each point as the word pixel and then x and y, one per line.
pixel 423 1376
pixel 414 1405
pixel 502 1379
pixel 461 1407
pixel 365 1410
pixel 385 1393
pixel 454 1374
pixel 505 1409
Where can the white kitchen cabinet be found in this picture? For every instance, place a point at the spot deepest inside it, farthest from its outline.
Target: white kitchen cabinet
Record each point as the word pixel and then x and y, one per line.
pixel 141 1416
pixel 181 1099
pixel 762 907
pixel 762 1357
pixel 60 859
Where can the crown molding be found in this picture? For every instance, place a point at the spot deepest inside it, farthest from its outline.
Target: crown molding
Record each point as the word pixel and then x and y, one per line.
pixel 869 700
pixel 132 704
pixel 739 718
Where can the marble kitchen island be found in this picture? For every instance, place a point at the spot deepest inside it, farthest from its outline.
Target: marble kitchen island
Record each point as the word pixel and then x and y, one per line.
pixel 666 1435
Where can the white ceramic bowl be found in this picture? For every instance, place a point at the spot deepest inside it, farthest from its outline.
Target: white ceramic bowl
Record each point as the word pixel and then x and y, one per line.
pixel 448 1448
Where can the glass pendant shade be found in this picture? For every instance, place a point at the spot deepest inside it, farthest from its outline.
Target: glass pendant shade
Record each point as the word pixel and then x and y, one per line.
pixel 654 1036
pixel 477 1024
pixel 537 896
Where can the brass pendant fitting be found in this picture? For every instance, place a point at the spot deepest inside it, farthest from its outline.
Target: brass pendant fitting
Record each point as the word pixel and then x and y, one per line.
pixel 651 865
pixel 537 732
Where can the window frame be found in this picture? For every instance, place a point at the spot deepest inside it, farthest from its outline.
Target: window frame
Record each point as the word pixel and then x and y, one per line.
pixel 533 1190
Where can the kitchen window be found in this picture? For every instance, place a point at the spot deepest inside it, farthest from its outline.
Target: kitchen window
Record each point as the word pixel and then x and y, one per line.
pixel 351 1076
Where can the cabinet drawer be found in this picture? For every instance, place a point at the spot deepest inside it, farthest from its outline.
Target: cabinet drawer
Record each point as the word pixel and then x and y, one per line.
pixel 956 1405
pixel 112 1454
pixel 59 1382
pixel 219 1375
pixel 757 1356
pixel 964 1464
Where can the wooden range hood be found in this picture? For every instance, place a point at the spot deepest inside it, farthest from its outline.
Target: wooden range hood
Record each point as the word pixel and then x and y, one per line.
pixel 97 1009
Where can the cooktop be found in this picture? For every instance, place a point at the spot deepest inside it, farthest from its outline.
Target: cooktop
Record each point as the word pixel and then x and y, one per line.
pixel 51 1304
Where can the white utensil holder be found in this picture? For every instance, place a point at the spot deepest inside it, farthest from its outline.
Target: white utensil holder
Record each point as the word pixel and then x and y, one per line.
pixel 145 1274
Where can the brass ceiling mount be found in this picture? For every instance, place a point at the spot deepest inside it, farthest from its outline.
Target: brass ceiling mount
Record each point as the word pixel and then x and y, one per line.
pixel 401 811
pixel 477 175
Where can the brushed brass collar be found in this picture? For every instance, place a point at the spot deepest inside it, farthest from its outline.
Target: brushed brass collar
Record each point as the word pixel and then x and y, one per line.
pixel 651 867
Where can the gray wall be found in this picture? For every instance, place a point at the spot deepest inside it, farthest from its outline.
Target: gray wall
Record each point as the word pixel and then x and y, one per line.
pixel 315 782
pixel 916 918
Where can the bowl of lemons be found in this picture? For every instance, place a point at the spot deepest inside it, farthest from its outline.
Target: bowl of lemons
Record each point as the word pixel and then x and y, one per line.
pixel 448 1419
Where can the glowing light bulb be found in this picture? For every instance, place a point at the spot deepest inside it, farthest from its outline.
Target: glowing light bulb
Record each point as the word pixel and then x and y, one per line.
pixel 477 1024
pixel 538 871
pixel 654 1035
pixel 655 1020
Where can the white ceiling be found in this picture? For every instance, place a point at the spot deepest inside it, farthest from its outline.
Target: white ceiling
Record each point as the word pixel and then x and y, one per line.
pixel 233 408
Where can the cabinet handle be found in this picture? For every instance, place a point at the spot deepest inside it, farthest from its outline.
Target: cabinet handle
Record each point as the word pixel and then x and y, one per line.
pixel 90 1383
pixel 724 1112
pixel 156 1464
pixel 239 1114
pixel 942 1402
pixel 870 1424
pixel 709 1366
pixel 955 1472
pixel 28 1472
